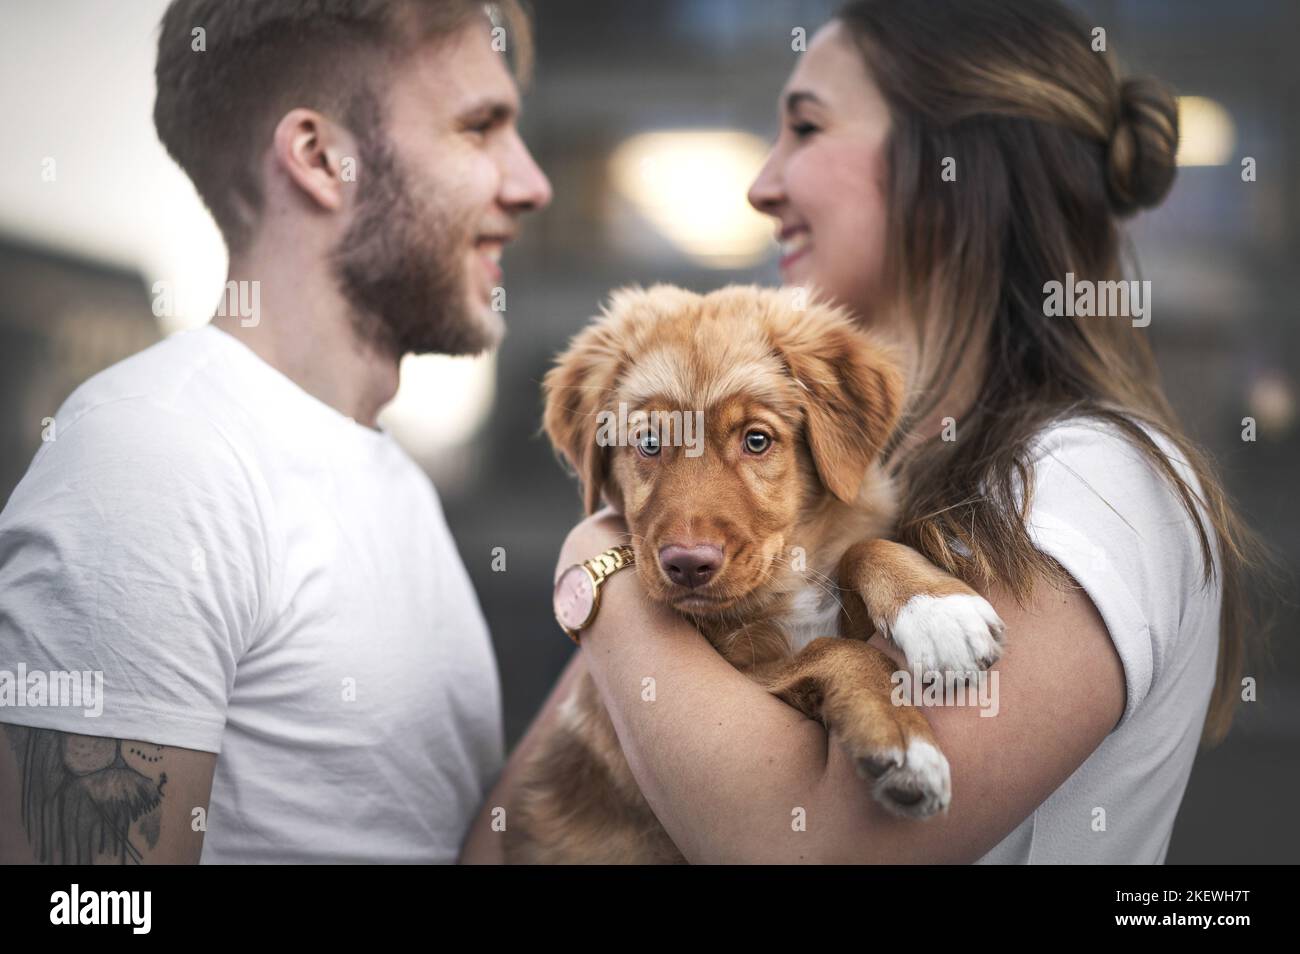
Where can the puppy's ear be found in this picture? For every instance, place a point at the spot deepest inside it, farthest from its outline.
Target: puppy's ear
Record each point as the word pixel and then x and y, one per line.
pixel 579 386
pixel 853 391
pixel 584 382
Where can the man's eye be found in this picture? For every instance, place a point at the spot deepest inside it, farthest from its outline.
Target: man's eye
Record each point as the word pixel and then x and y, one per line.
pixel 756 442
pixel 481 126
pixel 803 130
pixel 648 444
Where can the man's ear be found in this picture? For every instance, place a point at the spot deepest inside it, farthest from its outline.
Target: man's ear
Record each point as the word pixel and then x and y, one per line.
pixel 852 387
pixel 308 148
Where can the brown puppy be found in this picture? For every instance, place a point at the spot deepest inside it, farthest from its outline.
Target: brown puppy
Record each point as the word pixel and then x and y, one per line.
pixel 763 527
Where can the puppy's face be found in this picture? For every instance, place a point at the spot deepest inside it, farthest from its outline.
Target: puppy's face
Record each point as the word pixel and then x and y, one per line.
pixel 721 426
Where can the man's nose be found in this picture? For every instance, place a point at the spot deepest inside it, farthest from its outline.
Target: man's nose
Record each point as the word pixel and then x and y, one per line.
pixel 526 188
pixel 691 566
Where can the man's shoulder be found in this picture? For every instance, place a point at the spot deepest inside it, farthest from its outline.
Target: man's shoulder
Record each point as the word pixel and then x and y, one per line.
pixel 151 420
pixel 156 377
pixel 177 397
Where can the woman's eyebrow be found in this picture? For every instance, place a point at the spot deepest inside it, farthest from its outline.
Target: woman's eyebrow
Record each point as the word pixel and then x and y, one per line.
pixel 797 96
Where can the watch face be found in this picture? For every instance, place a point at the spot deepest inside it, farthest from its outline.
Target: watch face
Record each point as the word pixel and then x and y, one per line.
pixel 574 598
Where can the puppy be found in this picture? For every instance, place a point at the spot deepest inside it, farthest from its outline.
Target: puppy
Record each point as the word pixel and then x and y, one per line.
pixel 767 533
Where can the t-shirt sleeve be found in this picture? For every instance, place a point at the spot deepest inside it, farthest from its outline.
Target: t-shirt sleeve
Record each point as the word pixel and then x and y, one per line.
pixel 133 547
pixel 1114 522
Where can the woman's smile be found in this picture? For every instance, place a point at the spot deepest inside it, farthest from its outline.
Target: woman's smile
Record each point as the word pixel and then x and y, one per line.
pixel 796 242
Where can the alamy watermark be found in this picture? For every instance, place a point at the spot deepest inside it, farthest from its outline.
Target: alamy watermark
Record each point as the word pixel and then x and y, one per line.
pixel 130 908
pixel 946 687
pixel 1088 299
pixel 242 300
pixel 55 688
pixel 657 428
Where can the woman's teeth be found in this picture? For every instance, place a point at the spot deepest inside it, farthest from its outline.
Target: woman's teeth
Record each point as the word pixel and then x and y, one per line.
pixel 795 243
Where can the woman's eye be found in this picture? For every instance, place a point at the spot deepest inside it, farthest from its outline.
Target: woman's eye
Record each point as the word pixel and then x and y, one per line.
pixel 803 130
pixel 648 444
pixel 756 442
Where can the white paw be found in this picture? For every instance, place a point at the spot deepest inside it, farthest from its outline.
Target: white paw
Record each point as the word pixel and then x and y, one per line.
pixel 915 785
pixel 960 632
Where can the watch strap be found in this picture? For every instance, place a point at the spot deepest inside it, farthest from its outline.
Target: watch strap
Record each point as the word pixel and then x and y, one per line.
pixel 603 565
pixel 600 568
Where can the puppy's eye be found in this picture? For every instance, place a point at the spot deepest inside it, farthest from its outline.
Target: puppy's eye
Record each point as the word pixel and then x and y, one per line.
pixel 647 444
pixel 756 442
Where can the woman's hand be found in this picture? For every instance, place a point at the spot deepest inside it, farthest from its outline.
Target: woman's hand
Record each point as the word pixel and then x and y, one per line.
pixel 602 530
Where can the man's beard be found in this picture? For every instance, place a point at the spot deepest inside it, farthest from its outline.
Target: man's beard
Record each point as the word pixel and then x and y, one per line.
pixel 401 265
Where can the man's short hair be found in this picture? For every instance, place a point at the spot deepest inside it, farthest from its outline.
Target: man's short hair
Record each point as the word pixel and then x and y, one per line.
pixel 228 70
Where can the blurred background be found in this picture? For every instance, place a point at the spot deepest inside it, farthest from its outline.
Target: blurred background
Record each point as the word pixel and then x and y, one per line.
pixel 651 118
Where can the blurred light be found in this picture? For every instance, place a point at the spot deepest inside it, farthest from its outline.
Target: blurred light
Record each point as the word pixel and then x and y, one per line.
pixel 1206 134
pixel 691 184
pixel 1272 404
pixel 191 269
pixel 440 403
pixel 112 193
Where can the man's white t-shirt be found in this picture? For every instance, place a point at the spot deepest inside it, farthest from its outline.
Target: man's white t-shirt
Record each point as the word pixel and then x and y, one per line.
pixel 260 576
pixel 1118 527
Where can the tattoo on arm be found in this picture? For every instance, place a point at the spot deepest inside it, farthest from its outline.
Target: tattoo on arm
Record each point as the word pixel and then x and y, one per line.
pixel 81 794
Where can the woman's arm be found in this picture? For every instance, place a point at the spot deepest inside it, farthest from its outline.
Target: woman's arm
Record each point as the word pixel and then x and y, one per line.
pixel 483 846
pixel 726 766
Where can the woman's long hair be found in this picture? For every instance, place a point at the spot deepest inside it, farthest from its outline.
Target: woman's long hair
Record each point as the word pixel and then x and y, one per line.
pixel 1051 149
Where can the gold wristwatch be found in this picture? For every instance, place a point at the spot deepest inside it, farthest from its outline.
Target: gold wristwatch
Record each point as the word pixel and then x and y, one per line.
pixel 577 591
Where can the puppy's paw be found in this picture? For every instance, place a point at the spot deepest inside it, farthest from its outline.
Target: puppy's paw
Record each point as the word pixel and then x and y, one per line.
pixel 959 632
pixel 912 784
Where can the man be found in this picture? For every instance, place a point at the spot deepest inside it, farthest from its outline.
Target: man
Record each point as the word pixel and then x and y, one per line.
pixel 293 659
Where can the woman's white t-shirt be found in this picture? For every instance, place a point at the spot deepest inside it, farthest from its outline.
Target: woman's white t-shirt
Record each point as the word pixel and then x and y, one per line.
pixel 1116 525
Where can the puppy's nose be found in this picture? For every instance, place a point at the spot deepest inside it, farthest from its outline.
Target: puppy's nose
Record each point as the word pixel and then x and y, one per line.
pixel 690 566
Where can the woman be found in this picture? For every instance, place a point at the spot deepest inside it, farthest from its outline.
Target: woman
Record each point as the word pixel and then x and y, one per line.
pixel 939 163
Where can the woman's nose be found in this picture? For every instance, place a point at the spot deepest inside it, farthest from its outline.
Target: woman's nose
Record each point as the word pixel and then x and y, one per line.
pixel 765 194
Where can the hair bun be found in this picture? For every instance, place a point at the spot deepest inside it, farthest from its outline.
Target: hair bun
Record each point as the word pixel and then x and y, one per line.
pixel 1140 161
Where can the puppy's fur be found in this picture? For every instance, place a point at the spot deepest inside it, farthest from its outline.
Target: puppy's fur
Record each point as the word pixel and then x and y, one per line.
pixel 791 525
